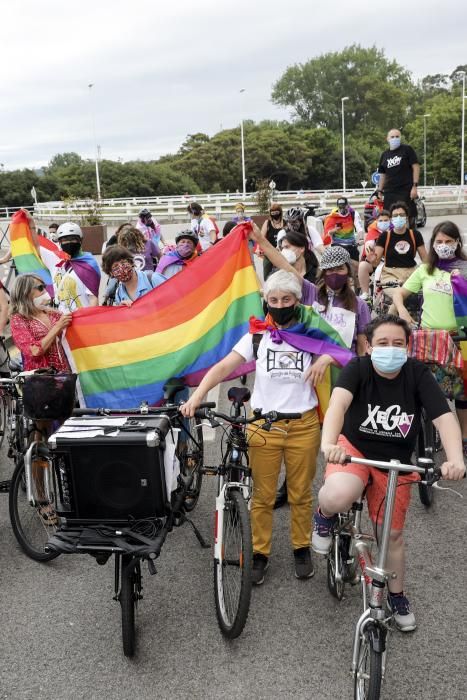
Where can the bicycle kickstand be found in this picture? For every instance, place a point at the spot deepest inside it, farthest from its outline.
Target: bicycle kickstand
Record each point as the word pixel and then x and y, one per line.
pixel 199 536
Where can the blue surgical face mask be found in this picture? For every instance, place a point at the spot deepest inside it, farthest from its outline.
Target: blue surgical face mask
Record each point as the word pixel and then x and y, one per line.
pixel 399 221
pixel 388 359
pixel 394 142
pixel 383 225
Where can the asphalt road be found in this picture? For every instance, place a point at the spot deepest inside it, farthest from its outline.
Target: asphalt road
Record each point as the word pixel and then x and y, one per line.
pixel 61 629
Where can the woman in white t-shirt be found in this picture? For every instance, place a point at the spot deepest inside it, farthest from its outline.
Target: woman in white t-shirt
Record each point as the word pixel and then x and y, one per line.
pixel 284 381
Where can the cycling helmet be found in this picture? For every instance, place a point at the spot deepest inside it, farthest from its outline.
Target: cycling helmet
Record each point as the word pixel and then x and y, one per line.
pixel 187 234
pixel 334 256
pixel 294 213
pixel 68 229
pixel 144 213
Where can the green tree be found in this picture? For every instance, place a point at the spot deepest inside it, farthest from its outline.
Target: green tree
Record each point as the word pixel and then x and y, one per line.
pixel 379 90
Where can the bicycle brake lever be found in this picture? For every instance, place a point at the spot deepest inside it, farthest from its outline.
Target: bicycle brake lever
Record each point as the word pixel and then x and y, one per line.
pixel 447 488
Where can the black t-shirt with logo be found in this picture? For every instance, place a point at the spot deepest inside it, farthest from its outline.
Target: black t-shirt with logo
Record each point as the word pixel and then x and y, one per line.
pixel 400 251
pixel 383 420
pixel 397 167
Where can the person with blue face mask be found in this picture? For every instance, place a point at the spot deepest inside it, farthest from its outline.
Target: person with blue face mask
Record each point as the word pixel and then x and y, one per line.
pixel 399 171
pixel 374 413
pixel 398 245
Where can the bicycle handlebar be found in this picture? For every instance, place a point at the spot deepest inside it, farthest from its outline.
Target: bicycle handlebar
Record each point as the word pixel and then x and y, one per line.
pixel 430 471
pixel 141 411
pixel 269 417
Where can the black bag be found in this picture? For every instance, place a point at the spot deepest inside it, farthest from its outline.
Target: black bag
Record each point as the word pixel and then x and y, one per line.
pixel 49 395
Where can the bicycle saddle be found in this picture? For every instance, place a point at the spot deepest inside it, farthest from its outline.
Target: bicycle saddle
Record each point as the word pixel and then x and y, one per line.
pixel 172 387
pixel 239 394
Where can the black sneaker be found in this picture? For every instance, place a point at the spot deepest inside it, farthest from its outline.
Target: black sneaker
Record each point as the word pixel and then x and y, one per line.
pixel 303 563
pixel 260 566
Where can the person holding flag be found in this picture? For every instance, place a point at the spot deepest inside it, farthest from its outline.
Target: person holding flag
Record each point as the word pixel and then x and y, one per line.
pixel 292 350
pixel 443 281
pixel 76 279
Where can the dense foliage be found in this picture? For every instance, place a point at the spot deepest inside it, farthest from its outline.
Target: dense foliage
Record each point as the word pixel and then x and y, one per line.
pixel 305 152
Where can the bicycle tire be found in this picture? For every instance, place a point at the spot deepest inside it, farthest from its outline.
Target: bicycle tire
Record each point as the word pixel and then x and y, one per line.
pixel 191 457
pixel 30 530
pixel 232 607
pixel 336 588
pixel 3 418
pixel 369 673
pixel 130 586
pixel 425 448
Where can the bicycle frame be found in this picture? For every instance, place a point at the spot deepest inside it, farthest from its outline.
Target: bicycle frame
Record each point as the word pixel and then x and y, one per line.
pixel 378 573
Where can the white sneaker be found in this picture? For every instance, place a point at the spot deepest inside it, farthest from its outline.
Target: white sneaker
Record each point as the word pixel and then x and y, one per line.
pixel 400 608
pixel 364 296
pixel 322 533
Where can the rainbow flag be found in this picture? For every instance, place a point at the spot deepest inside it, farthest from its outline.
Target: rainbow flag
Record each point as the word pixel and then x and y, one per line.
pixel 35 256
pixel 459 292
pixel 346 233
pixel 124 355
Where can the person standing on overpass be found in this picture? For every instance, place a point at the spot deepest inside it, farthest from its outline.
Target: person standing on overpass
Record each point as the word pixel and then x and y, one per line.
pixel 399 171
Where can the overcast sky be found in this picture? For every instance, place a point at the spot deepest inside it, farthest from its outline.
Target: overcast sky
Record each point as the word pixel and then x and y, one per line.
pixel 163 69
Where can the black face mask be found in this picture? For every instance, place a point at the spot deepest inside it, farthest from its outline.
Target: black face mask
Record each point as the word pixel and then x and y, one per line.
pixel 71 247
pixel 281 315
pixel 275 215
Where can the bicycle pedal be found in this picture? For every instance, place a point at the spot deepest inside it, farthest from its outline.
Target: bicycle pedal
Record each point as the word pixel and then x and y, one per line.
pixel 5 486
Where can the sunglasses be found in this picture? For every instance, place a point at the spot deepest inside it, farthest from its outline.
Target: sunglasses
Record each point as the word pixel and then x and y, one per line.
pixel 40 287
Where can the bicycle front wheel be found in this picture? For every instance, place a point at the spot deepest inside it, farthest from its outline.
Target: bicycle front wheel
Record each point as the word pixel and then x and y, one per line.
pixel 130 589
pixel 232 574
pixel 190 452
pixel 32 526
pixel 369 673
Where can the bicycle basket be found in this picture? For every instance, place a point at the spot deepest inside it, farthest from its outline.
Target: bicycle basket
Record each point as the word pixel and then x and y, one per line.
pixel 49 396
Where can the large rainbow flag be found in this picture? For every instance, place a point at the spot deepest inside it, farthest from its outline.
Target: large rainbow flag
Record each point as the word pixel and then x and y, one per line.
pixel 459 292
pixel 33 255
pixel 124 355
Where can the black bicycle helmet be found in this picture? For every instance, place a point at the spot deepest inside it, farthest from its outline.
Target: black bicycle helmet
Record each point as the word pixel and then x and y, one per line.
pixel 191 235
pixel 144 213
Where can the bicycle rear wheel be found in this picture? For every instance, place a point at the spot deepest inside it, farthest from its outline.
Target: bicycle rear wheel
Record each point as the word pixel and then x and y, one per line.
pixel 232 575
pixel 369 673
pixel 31 528
pixel 3 418
pixel 425 447
pixel 130 589
pixel 190 452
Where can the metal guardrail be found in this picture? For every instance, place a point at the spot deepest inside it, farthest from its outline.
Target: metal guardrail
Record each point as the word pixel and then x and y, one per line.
pixel 174 209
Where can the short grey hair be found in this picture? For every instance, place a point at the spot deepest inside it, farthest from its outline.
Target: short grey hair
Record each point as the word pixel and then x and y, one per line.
pixel 283 281
pixel 21 299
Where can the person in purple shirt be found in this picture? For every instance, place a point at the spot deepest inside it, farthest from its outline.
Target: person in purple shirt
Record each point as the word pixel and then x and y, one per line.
pixel 145 252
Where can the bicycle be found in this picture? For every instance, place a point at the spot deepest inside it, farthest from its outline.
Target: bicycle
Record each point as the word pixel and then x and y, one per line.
pixel 350 550
pixel 30 526
pixel 233 550
pixel 131 539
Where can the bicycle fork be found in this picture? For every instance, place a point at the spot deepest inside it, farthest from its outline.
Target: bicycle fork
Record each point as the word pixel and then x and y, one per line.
pixel 221 499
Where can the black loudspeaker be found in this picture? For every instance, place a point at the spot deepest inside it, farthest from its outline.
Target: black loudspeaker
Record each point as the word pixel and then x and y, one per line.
pixel 110 479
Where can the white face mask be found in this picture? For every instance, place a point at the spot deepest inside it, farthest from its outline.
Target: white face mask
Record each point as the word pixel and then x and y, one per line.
pixel 445 251
pixel 42 301
pixel 289 255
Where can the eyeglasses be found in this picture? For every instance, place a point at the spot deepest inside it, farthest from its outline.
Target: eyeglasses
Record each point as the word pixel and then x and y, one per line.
pixel 40 287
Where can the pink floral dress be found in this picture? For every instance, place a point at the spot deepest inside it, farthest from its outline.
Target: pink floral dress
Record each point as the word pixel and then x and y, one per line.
pixel 27 332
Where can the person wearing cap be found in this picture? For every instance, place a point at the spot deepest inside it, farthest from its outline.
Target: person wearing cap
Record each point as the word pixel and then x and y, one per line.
pixel 343 227
pixel 76 280
pixel 202 226
pixel 399 174
pixel 185 252
pixel 149 227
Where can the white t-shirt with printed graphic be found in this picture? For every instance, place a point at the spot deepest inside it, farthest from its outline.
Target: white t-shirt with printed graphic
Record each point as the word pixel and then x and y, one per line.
pixel 280 371
pixel 203 228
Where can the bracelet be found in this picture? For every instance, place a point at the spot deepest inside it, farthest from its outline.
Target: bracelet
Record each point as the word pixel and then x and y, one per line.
pixel 415 184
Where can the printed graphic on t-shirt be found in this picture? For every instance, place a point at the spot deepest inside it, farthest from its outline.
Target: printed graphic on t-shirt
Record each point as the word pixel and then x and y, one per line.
pixel 139 261
pixel 441 286
pixel 393 162
pixel 402 247
pixel 284 363
pixel 392 422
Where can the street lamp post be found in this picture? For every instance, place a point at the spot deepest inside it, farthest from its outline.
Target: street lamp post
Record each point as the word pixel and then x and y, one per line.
pixel 243 152
pixel 462 136
pixel 343 99
pixel 98 182
pixel 425 117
